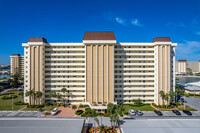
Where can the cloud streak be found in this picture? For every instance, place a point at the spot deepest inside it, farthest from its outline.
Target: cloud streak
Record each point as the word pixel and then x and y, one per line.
pixel 188 50
pixel 136 22
pixel 120 21
pixel 128 22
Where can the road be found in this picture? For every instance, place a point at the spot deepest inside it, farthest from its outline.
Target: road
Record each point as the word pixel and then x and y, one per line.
pixel 41 125
pixel 161 126
pixel 193 102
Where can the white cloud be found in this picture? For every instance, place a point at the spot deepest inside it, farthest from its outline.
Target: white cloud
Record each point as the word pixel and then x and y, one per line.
pixel 136 22
pixel 120 20
pixel 189 50
pixel 198 32
pixel 127 22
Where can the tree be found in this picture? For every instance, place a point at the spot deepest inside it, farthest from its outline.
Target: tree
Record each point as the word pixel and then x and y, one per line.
pixel 1 88
pixel 22 95
pixel 166 99
pixel 171 95
pixel 110 108
pixel 137 101
pixel 15 80
pixel 64 90
pixel 94 115
pixel 162 94
pixel 59 96
pixel 53 94
pixel 31 95
pixel 38 95
pixel 74 107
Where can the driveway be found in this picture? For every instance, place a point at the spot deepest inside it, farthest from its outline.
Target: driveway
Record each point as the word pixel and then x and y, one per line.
pixel 64 112
pixel 193 102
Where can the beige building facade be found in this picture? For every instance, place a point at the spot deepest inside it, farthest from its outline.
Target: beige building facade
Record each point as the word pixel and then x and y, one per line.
pixel 183 67
pixel 99 70
pixel 17 65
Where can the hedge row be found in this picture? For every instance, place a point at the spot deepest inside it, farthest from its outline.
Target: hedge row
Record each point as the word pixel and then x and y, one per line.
pixel 9 97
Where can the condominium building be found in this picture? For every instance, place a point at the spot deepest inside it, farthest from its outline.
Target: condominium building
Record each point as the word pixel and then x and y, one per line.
pixel 100 70
pixel 183 67
pixel 17 65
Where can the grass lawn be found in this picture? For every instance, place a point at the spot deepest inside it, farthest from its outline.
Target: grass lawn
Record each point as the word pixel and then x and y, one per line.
pixel 7 104
pixel 48 108
pixel 181 107
pixel 141 108
pixel 31 109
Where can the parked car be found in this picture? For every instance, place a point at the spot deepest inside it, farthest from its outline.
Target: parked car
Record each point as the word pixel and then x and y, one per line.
pixel 187 112
pixel 67 104
pixel 54 111
pixel 132 112
pixel 176 112
pixel 158 112
pixel 139 113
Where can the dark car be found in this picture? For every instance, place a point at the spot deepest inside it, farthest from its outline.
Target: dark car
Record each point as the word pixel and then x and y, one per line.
pixel 158 112
pixel 176 112
pixel 187 112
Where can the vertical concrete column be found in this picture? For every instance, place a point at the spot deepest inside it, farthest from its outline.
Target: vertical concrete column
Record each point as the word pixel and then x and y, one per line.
pixel 91 73
pixel 108 73
pixel 102 72
pixel 97 71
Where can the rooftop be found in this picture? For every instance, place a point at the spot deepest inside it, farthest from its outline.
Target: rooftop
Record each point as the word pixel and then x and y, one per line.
pixel 37 39
pixel 162 39
pixel 99 36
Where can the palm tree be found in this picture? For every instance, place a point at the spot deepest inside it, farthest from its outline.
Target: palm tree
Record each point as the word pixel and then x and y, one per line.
pixel 162 94
pixel 94 115
pixel 64 90
pixel 110 108
pixel 166 99
pixel 52 94
pixel 171 95
pixel 22 95
pixel 59 96
pixel 1 88
pixel 38 95
pixel 31 95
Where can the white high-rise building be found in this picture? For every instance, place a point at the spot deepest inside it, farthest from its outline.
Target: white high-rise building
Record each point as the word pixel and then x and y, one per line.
pixel 99 70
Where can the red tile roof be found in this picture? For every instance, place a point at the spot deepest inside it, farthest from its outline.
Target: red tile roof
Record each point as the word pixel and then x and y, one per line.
pixel 99 36
pixel 162 39
pixel 182 60
pixel 37 39
pixel 15 54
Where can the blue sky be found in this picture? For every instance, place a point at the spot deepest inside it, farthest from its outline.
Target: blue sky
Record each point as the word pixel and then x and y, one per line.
pixel 131 20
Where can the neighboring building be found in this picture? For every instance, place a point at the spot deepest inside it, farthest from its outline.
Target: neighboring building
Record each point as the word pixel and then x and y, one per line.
pixel 183 67
pixel 17 65
pixel 100 70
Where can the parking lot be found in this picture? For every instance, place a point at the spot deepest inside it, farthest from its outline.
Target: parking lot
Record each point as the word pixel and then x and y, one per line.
pixel 169 114
pixel 20 114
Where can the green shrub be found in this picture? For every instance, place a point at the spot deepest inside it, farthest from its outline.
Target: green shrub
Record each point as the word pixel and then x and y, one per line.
pixel 154 105
pixel 81 106
pixel 46 104
pixel 61 104
pixel 85 115
pixel 20 103
pixel 40 109
pixel 106 115
pixel 121 114
pixel 9 97
pixel 79 112
pixel 88 110
pixel 126 113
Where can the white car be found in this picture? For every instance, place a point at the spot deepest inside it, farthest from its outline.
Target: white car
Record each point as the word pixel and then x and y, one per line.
pixel 132 112
pixel 54 111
